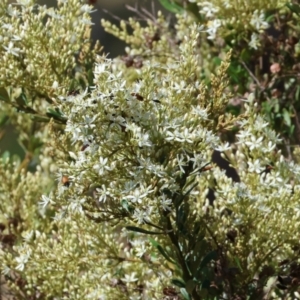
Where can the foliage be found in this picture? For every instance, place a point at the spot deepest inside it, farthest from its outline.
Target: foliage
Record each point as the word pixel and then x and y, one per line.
pixel 142 210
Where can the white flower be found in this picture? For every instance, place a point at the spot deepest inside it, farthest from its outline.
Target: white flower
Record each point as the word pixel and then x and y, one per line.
pixel 138 194
pixel 255 166
pixel 102 166
pixel 52 13
pixel 45 201
pixel 85 21
pixel 270 147
pixel 23 259
pixel 182 137
pixel 212 27
pixel 12 11
pixel 55 85
pixel 87 9
pixel 103 192
pixel 165 202
pixel 258 21
pixel 142 215
pixel 254 143
pixel 199 111
pixel 143 139
pixel 224 147
pixel 208 9
pixel 254 43
pixel 243 134
pixel 76 205
pixel 181 163
pixel 130 278
pixel 11 50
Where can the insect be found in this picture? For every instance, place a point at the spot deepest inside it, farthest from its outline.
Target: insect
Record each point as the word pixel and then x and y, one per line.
pixel 65 181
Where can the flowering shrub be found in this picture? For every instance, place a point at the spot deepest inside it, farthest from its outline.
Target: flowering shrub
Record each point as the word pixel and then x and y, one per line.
pixel 131 141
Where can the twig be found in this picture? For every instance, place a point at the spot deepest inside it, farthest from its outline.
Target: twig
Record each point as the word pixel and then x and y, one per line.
pixel 253 76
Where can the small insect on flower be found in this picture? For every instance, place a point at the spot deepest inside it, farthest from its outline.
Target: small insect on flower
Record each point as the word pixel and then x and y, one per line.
pixel 65 181
pixel 137 96
pixel 84 146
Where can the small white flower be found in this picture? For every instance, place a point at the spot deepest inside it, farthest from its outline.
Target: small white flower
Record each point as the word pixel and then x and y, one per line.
pixel 55 85
pixel 269 148
pixel 166 203
pixel 224 147
pixel 255 166
pixel 199 111
pixel 11 50
pixel 212 28
pixel 101 167
pixel 254 142
pixel 87 9
pixel 254 43
pixel 103 192
pixel 181 163
pixel 130 278
pixel 258 21
pixel 45 201
pixel 23 259
pixel 138 194
pixel 85 21
pixel 208 9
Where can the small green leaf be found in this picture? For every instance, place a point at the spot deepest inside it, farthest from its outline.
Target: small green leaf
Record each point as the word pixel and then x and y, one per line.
pixel 126 206
pixel 4 95
pixel 172 6
pixel 294 8
pixel 39 118
pixel 190 285
pixel 140 230
pixel 208 258
pixel 56 115
pixel 185 294
pixel 162 251
pixel 178 282
pixel 90 77
pixel 287 117
pixel 3 120
pixel 5 156
pixel 238 263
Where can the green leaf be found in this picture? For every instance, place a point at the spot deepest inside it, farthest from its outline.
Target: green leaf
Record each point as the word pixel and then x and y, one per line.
pixel 172 6
pixel 217 61
pixel 287 117
pixel 3 120
pixel 185 294
pixel 162 251
pixel 56 115
pixel 193 8
pixel 4 95
pixel 238 263
pixel 126 206
pixel 207 259
pixel 178 282
pixel 5 156
pixel 140 230
pixel 294 8
pixel 190 285
pixel 39 118
pixel 90 75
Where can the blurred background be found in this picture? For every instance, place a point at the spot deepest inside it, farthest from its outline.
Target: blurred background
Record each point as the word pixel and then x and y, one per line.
pixel 114 11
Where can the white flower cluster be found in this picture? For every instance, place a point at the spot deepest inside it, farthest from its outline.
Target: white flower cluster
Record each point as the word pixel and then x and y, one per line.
pixel 222 14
